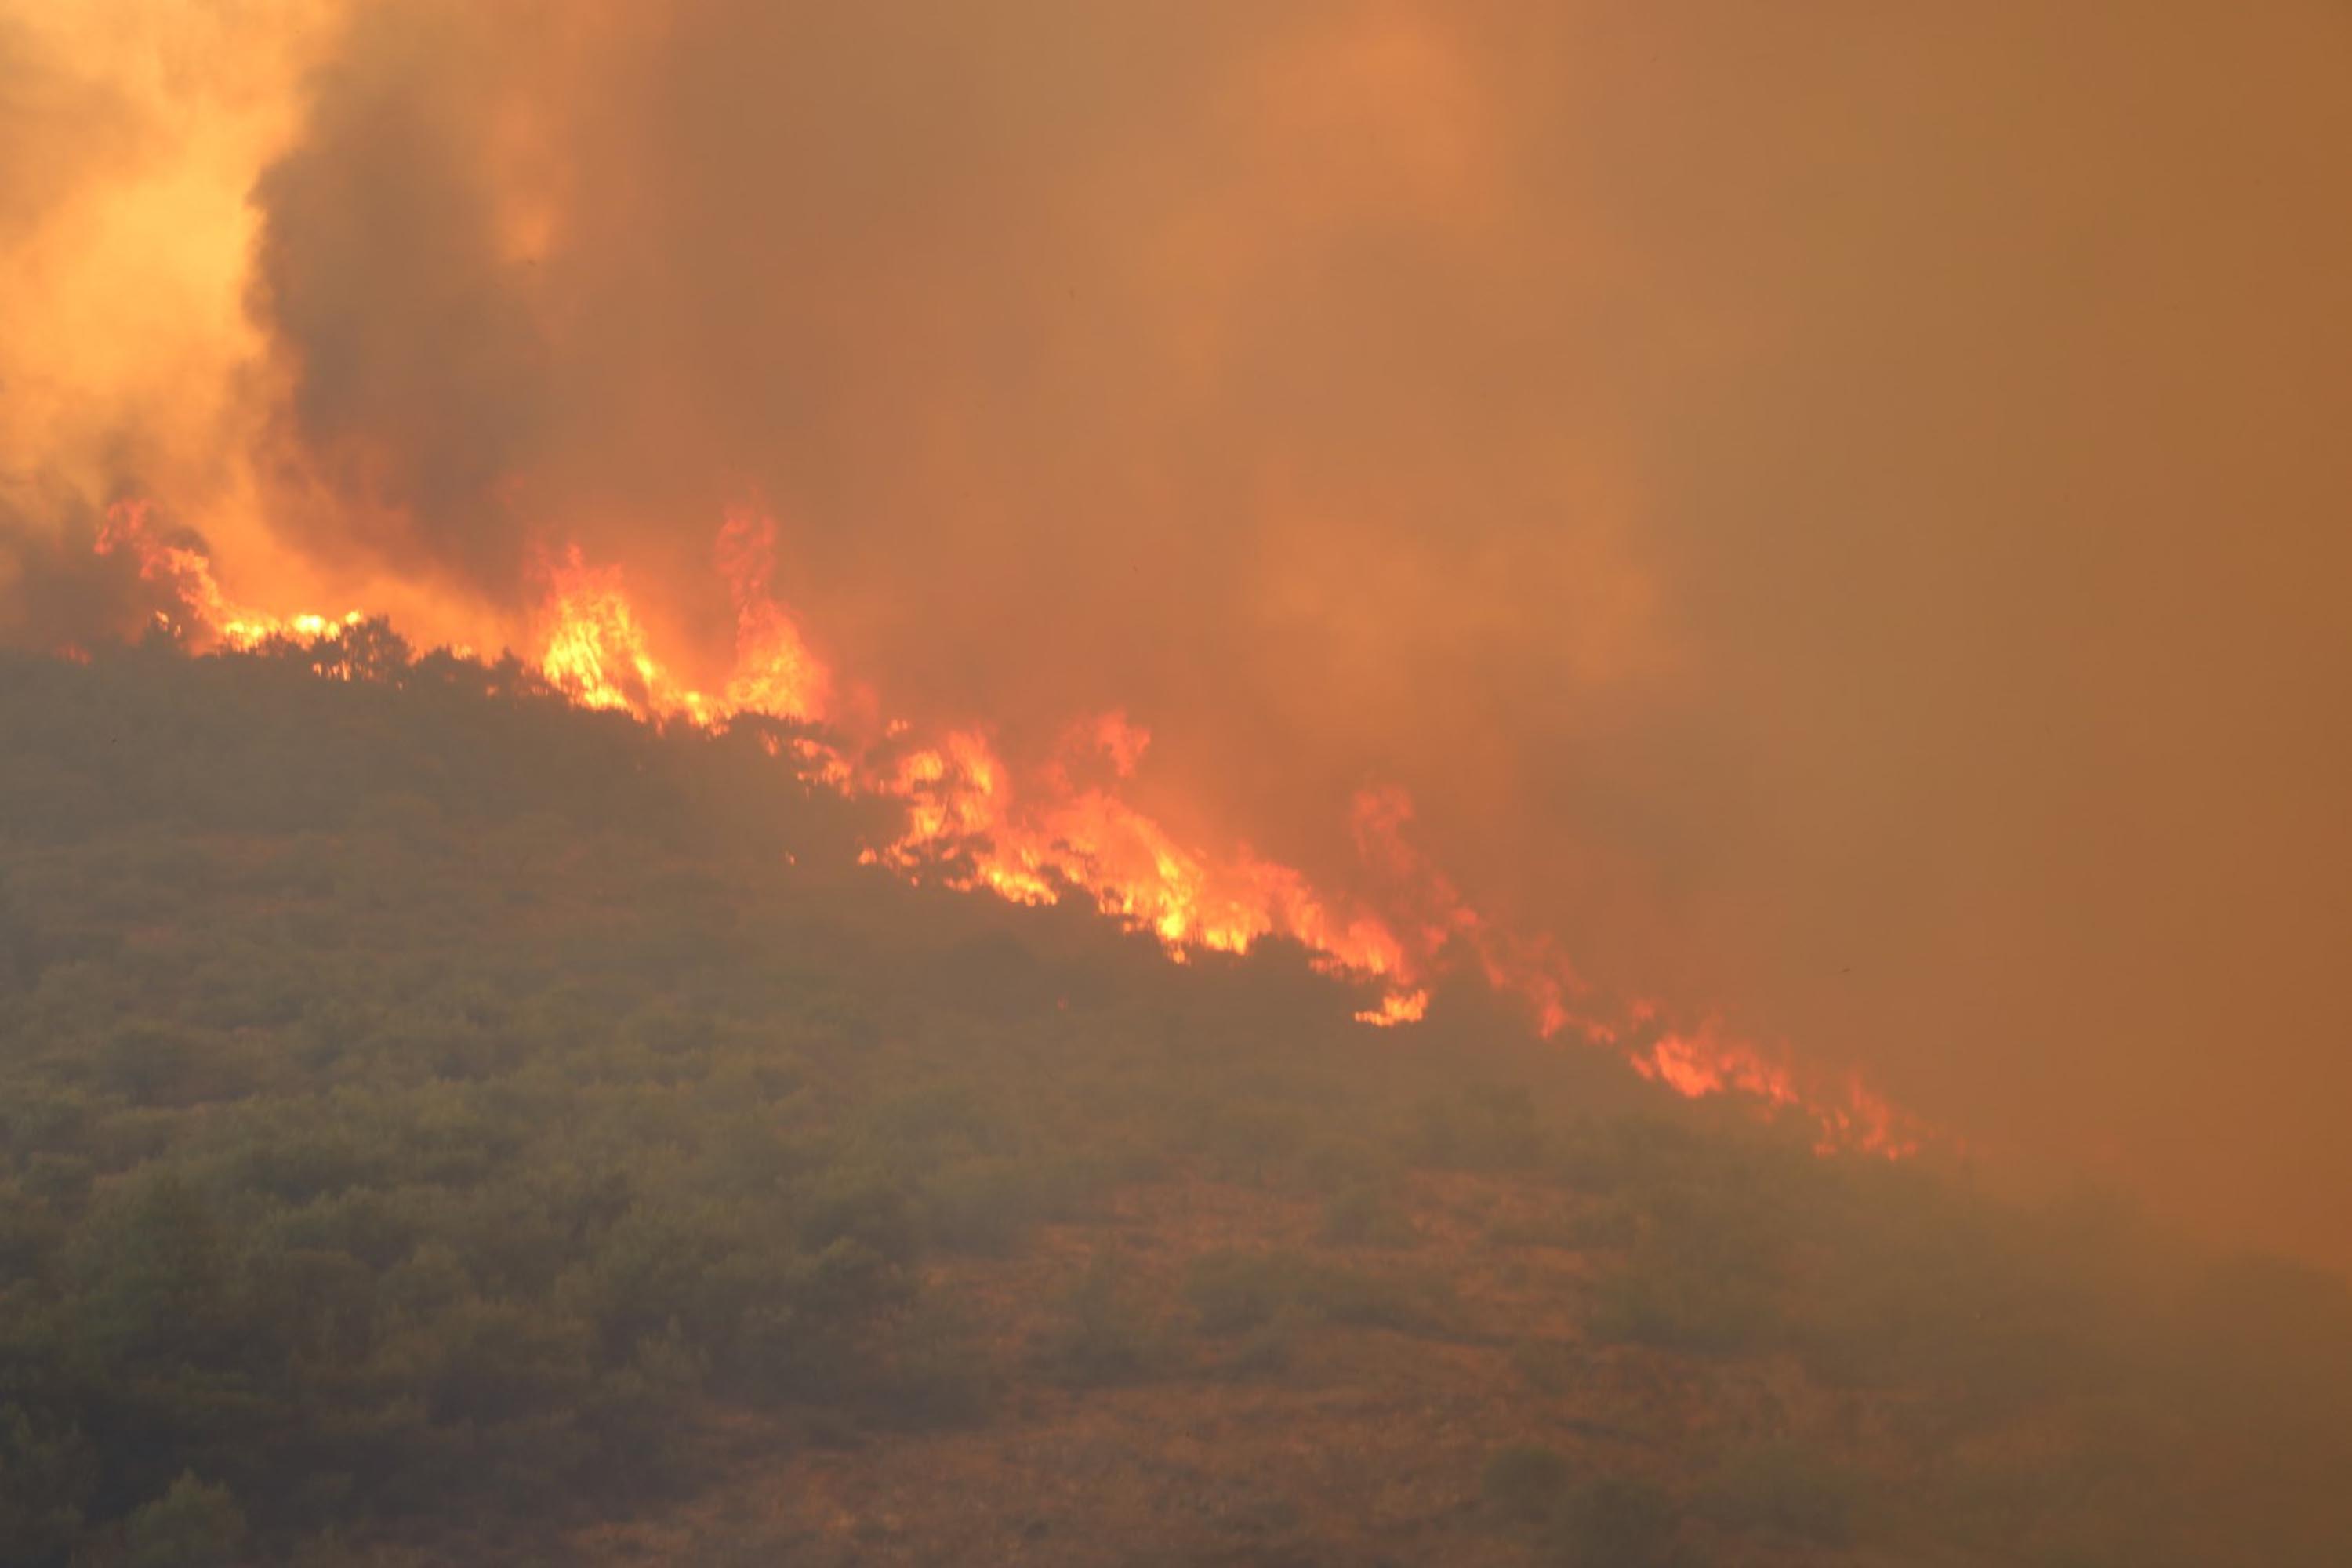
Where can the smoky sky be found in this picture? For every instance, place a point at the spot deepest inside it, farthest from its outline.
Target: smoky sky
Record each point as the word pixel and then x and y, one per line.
pixel 1839 512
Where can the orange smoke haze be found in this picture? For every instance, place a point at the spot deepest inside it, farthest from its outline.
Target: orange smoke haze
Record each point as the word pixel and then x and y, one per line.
pixel 1833 517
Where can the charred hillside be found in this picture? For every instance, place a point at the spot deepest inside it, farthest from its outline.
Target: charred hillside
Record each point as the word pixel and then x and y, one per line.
pixel 440 1125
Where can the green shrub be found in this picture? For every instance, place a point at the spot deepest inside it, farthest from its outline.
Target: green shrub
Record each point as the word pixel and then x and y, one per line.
pixel 1674 1303
pixel 1253 1142
pixel 1605 1226
pixel 1784 1490
pixel 1230 1291
pixel 985 1206
pixel 1366 1215
pixel 156 1272
pixel 191 1526
pixel 1267 1350
pixel 1412 1303
pixel 1526 1481
pixel 941 1371
pixel 1108 1333
pixel 802 1328
pixel 1490 1128
pixel 865 1205
pixel 148 1063
pixel 1349 1159
pixel 46 1477
pixel 1550 1367
pixel 1617 1523
pixel 487 1363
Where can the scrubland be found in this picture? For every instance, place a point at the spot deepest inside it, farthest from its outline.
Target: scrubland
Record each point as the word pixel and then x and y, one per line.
pixel 438 1126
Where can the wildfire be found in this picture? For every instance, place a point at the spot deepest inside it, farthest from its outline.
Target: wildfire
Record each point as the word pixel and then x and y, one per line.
pixel 595 651
pixel 1030 847
pixel 593 648
pixel 1396 1007
pixel 775 673
pixel 1063 827
pixel 186 572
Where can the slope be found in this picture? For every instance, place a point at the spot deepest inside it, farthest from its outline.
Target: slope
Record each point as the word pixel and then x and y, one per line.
pixel 440 1125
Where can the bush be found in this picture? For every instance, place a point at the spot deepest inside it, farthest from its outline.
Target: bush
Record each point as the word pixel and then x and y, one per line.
pixel 45 1480
pixel 1478 1129
pixel 1549 1365
pixel 191 1526
pixel 1266 1351
pixel 985 1207
pixel 1420 1303
pixel 1526 1482
pixel 147 1063
pixel 1785 1491
pixel 1675 1304
pixel 804 1328
pixel 1366 1215
pixel 1617 1523
pixel 1232 1290
pixel 1108 1333
pixel 1603 1226
pixel 488 1362
pixel 1252 1143
pixel 861 1206
pixel 940 1372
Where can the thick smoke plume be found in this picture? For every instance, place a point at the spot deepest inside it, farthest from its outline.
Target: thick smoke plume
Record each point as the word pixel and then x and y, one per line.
pixel 1838 514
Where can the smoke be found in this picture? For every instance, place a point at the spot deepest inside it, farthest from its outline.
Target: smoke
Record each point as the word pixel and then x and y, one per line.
pixel 1836 514
pixel 130 133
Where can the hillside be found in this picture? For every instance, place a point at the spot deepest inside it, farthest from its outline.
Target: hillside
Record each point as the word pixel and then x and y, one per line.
pixel 441 1126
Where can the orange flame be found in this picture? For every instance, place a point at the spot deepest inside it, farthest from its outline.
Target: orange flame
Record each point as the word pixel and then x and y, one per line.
pixel 187 570
pixel 1396 1007
pixel 775 673
pixel 595 652
pixel 1039 836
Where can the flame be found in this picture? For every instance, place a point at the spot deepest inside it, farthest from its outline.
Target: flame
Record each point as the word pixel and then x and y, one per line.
pixel 1396 1007
pixel 1030 846
pixel 775 673
pixel 593 649
pixel 1038 835
pixel 185 570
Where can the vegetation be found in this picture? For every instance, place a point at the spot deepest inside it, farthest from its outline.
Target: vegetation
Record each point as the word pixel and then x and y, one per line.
pixel 1527 1481
pixel 434 1119
pixel 1617 1523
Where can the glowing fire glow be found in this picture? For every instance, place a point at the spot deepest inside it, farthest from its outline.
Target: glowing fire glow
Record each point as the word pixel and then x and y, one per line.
pixel 1038 835
pixel 186 571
